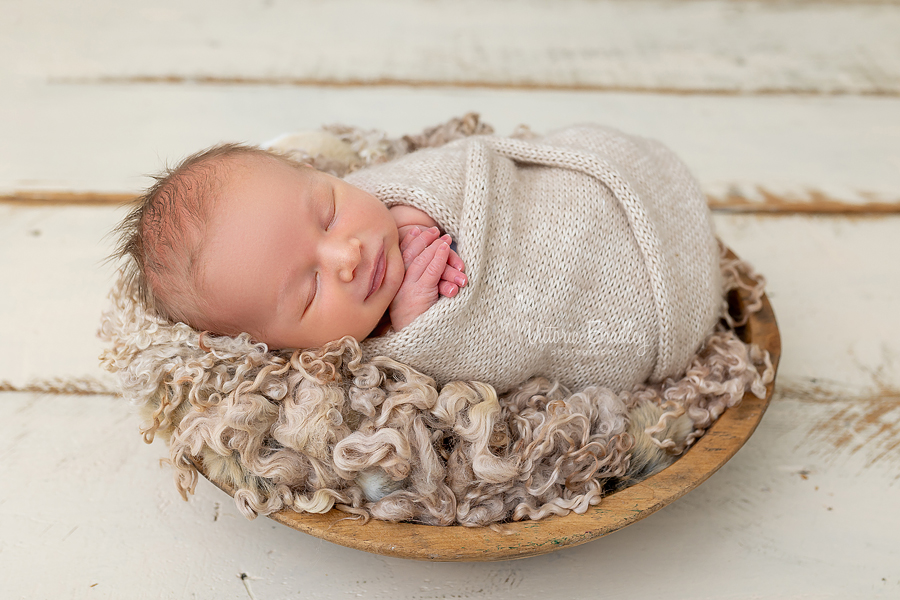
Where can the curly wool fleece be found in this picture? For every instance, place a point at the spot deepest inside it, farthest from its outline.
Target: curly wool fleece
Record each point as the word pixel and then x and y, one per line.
pixel 306 430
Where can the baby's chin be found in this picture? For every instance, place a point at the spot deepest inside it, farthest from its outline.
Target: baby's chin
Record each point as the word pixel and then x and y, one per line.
pixel 360 332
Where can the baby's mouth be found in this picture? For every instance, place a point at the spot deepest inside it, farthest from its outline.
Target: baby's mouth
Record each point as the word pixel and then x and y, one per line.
pixel 377 273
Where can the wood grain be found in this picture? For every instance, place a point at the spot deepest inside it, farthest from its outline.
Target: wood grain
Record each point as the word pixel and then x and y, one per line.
pixel 814 202
pixel 57 198
pixel 709 47
pixel 532 538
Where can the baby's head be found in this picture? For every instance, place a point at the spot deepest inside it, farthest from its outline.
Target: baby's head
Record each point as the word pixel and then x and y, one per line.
pixel 235 239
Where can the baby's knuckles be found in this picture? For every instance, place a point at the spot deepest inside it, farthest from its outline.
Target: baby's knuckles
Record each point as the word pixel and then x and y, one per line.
pixel 416 242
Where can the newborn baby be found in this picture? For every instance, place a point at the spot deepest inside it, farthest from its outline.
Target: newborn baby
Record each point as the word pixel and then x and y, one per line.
pixel 586 256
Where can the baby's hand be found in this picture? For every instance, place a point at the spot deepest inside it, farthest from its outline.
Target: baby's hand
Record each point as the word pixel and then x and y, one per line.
pixel 423 278
pixel 415 239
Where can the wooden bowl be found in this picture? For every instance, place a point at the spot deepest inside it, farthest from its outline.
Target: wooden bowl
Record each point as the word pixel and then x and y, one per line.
pixel 531 538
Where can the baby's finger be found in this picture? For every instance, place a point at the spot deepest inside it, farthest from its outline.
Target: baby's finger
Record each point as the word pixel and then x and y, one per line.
pixel 413 249
pixel 409 237
pixel 417 244
pixel 453 275
pixel 456 262
pixel 416 268
pixel 435 269
pixel 411 234
pixel 426 270
pixel 447 289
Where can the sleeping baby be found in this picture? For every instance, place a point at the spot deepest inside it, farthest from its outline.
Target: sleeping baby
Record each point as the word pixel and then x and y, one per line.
pixel 585 255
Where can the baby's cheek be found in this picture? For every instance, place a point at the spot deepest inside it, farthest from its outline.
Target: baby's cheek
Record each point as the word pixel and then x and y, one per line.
pixel 396 272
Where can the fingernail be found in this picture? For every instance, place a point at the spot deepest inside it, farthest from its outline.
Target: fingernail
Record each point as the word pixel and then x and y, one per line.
pixel 460 281
pixel 415 231
pixel 433 229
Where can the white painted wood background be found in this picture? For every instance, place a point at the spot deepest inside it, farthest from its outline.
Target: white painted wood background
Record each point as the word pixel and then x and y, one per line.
pixel 788 112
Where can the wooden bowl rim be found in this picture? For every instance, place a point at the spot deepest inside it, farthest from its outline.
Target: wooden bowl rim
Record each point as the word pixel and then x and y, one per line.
pixel 532 538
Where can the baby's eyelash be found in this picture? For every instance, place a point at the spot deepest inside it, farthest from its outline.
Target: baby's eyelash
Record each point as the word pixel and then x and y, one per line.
pixel 312 296
pixel 333 212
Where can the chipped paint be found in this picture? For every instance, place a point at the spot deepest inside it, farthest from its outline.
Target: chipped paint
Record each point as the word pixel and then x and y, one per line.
pixel 810 202
pixel 866 424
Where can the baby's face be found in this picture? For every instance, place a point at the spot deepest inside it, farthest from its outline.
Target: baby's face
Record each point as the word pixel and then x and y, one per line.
pixel 297 258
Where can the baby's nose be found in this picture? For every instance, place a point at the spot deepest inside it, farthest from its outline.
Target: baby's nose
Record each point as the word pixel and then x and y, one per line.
pixel 346 257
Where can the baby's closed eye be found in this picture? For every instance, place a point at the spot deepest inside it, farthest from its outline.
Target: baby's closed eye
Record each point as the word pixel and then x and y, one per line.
pixel 331 212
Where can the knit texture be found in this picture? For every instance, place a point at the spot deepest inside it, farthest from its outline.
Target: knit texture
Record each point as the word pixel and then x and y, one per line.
pixel 589 254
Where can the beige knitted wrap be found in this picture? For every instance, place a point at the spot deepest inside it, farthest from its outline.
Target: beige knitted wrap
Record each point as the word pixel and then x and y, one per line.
pixel 589 253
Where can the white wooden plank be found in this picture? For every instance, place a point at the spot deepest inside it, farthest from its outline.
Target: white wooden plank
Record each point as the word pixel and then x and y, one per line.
pixel 835 286
pixel 753 149
pixel 53 287
pixel 84 515
pixel 711 46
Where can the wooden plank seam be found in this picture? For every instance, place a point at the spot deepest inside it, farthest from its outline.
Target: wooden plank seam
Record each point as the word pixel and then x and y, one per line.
pixel 815 202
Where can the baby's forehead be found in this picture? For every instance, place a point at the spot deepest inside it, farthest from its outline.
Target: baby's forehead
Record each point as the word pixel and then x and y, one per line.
pixel 261 159
pixel 239 167
pixel 258 178
pixel 240 164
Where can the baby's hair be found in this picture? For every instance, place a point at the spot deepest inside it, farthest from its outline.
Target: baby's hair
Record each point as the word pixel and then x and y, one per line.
pixel 161 239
